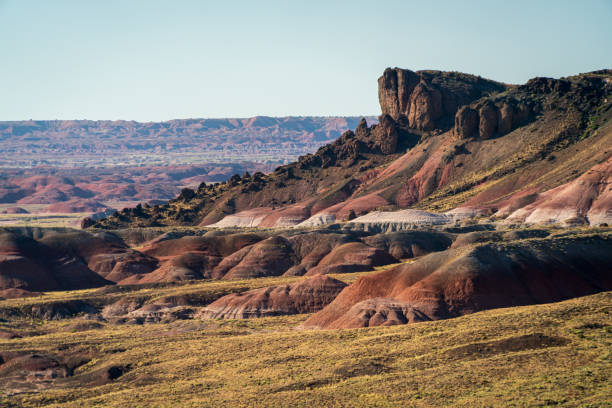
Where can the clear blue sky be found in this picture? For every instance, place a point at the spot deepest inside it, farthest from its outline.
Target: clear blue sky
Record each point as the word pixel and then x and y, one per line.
pixel 157 60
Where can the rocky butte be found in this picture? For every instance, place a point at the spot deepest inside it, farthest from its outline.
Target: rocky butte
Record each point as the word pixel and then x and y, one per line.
pixel 446 142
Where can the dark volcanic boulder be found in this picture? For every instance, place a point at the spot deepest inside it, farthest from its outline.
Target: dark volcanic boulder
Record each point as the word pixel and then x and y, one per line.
pixel 488 120
pixel 466 122
pixel 307 296
pixel 386 135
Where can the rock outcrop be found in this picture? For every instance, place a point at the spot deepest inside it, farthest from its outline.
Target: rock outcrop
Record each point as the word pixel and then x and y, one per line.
pixel 499 114
pixel 428 100
pixel 486 118
pixel 444 140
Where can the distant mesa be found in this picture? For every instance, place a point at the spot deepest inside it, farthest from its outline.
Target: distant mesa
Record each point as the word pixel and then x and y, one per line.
pixel 126 161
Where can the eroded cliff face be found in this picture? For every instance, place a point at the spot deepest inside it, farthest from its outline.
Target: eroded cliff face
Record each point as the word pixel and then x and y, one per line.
pixel 499 114
pixel 429 148
pixel 428 100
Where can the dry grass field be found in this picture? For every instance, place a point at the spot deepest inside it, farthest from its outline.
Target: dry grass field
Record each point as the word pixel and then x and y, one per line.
pixel 556 354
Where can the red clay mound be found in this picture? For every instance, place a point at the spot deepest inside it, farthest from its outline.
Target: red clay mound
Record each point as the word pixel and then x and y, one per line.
pixel 190 257
pixel 220 245
pixel 33 266
pixel 76 205
pixel 307 296
pixel 410 244
pixel 460 281
pixel 187 266
pixel 310 253
pixel 13 293
pixel 270 257
pixel 103 253
pixel 311 247
pixel 351 257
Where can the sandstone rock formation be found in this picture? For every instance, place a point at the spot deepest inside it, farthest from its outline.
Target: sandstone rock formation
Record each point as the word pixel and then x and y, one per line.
pixel 427 100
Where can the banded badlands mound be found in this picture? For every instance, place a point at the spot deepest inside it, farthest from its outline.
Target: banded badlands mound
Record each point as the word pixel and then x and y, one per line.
pixel 466 280
pixel 428 274
pixel 43 259
pixel 449 143
pixel 87 143
pixel 454 173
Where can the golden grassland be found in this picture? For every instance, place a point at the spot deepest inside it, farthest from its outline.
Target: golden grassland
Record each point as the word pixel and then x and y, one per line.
pixel 42 220
pixel 545 355
pixel 38 218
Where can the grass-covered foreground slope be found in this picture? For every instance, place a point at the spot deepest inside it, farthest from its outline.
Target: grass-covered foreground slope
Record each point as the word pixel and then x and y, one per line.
pixel 555 354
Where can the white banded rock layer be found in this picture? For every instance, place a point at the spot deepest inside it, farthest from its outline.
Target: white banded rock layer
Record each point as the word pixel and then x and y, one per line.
pixel 318 219
pixel 409 216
